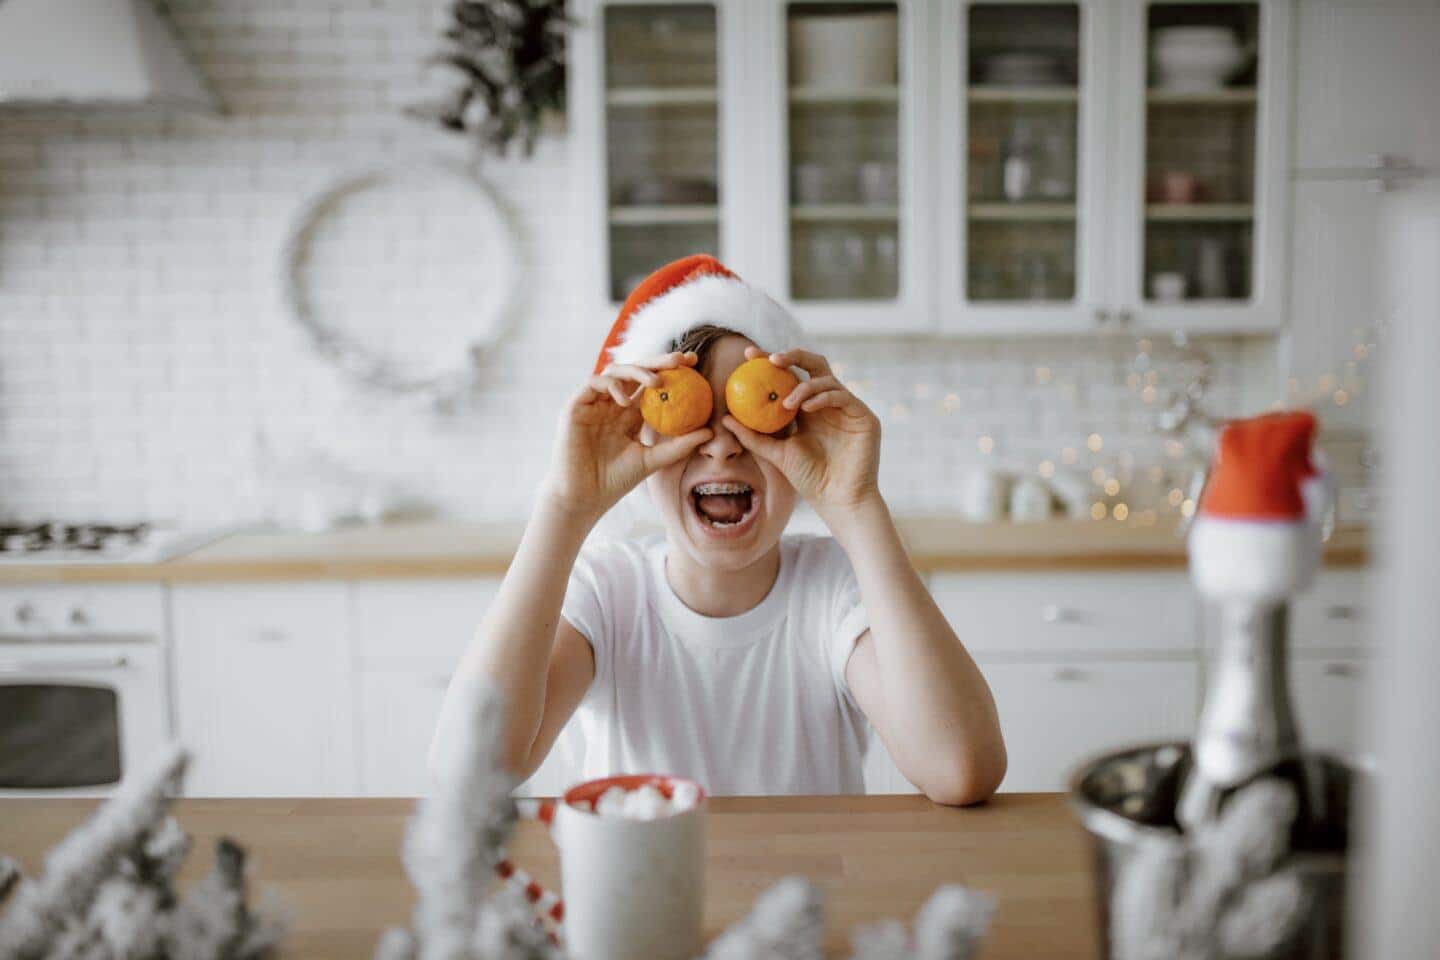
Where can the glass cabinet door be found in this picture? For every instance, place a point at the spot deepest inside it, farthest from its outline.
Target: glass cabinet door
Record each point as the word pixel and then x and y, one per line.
pixel 661 131
pixel 844 158
pixel 1202 101
pixel 1021 136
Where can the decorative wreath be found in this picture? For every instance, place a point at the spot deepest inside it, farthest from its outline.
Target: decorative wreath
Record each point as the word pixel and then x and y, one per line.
pixel 479 327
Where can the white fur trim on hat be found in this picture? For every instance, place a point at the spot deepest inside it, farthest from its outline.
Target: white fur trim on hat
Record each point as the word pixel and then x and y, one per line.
pixel 1252 560
pixel 713 299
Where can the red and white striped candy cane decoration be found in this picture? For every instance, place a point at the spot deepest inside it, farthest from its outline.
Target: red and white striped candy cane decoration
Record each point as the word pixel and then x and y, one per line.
pixel 549 908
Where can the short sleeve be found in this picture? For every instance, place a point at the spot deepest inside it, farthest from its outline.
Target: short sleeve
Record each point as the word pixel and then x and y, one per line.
pixel 585 609
pixel 846 618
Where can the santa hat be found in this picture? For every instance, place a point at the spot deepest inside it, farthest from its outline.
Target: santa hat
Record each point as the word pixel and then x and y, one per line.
pixel 1256 535
pixel 685 294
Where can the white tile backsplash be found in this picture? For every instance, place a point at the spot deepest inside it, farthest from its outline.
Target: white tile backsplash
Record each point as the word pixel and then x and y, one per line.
pixel 148 370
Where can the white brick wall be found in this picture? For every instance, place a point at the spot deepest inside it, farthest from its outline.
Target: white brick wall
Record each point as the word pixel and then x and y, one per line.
pixel 146 369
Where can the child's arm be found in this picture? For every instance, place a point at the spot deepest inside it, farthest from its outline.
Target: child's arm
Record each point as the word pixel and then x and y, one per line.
pixel 541 663
pixel 909 672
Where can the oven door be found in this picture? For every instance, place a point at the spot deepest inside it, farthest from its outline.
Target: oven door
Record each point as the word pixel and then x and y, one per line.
pixel 75 714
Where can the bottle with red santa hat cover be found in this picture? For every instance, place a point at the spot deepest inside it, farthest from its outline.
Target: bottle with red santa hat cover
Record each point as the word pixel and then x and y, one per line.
pixel 1255 544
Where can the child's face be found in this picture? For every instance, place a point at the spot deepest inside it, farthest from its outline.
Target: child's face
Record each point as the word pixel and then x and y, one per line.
pixel 724 506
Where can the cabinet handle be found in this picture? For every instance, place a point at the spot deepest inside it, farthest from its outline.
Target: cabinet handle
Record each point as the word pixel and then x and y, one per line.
pixel 1054 613
pixel 1102 316
pixel 270 635
pixel 1124 317
pixel 1340 670
pixel 1067 675
pixel 1342 611
pixel 438 682
pixel 25 613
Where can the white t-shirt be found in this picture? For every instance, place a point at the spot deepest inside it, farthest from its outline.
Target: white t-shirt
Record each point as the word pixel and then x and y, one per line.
pixel 752 704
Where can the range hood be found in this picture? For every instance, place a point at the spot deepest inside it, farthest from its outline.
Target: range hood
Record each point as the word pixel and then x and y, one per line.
pixel 95 53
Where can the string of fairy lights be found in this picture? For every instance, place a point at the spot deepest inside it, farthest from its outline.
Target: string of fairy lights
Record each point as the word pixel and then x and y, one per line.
pixel 1169 381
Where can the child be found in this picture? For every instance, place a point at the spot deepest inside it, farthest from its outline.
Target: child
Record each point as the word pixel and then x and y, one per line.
pixel 721 650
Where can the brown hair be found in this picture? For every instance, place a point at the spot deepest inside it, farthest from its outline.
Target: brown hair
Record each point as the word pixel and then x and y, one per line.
pixel 700 339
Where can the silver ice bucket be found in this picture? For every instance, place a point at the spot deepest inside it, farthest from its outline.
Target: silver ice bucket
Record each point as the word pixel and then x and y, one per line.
pixel 1127 802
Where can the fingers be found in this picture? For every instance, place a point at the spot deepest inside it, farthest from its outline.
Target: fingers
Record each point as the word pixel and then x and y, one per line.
pixel 830 398
pixel 808 389
pixel 664 361
pixel 812 363
pixel 633 373
pixel 674 449
pixel 757 443
pixel 601 386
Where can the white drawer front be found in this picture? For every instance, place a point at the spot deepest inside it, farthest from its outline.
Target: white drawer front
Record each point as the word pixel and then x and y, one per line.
pixel 1056 715
pixel 1335 612
pixel 1104 612
pixel 1330 702
pixel 419 619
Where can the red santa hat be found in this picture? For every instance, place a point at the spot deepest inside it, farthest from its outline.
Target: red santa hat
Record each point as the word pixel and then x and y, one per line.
pixel 685 294
pixel 1257 533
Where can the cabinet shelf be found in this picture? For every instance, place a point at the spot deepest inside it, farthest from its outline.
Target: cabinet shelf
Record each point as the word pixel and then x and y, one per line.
pixel 1238 96
pixel 833 212
pixel 661 96
pixel 1199 212
pixel 844 96
pixel 1032 212
pixel 998 94
pixel 664 214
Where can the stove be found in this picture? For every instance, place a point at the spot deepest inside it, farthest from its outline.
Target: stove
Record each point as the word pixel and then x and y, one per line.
pixel 71 543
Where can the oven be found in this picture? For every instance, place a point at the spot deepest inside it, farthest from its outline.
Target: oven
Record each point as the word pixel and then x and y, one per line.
pixel 83 686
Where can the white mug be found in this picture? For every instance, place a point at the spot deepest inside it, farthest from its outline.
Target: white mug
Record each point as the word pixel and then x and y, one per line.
pixel 633 889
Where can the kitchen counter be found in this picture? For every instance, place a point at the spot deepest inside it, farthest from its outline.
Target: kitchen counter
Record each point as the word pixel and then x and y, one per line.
pixel 336 863
pixel 484 549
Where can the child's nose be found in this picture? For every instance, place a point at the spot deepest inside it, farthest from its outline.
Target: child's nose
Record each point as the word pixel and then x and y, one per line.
pixel 723 445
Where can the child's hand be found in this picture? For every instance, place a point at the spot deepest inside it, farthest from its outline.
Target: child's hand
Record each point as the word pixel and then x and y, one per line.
pixel 598 456
pixel 833 456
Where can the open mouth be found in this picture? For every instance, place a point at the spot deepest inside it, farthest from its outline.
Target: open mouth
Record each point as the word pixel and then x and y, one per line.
pixel 724 505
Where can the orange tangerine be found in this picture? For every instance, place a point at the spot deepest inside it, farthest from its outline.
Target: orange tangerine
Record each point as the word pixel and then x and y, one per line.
pixel 754 394
pixel 683 402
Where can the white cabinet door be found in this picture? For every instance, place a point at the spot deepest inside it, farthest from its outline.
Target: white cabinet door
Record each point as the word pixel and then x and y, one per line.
pixel 409 620
pixel 411 635
pixel 1055 715
pixel 398 709
pixel 1023 252
pixel 1329 695
pixel 262 678
pixel 1201 176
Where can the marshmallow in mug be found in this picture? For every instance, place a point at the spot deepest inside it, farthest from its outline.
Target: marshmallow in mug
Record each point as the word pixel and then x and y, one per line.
pixel 647 802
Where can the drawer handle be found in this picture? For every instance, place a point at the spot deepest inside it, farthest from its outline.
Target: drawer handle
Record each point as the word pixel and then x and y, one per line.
pixel 1054 613
pixel 1340 670
pixel 1342 611
pixel 1068 675
pixel 438 682
pixel 270 635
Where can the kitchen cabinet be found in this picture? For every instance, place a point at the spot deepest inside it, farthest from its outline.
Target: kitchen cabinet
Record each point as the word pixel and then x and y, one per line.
pixel 1365 127
pixel 262 684
pixel 964 168
pixel 1055 714
pixel 1330 696
pixel 410 636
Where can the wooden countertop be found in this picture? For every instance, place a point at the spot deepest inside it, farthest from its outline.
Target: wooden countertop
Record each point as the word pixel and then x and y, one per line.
pixel 336 863
pixel 458 549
